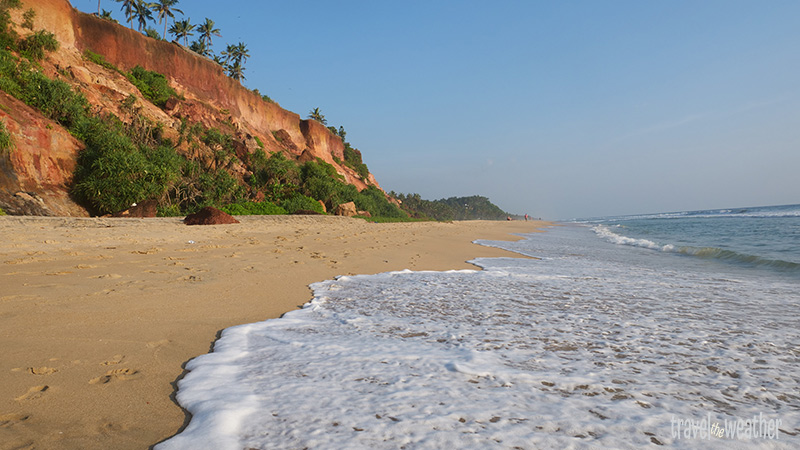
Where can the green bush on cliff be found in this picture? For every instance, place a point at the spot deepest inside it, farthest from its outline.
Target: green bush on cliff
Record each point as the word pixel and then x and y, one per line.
pixel 54 98
pixel 8 37
pixel 99 60
pixel 6 141
pixel 2 213
pixel 277 176
pixel 113 173
pixel 27 19
pixel 374 200
pixel 152 85
pixel 34 46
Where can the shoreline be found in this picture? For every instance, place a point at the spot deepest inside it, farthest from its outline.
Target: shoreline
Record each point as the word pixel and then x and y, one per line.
pixel 99 316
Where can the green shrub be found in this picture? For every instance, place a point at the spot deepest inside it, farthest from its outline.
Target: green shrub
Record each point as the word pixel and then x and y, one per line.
pixel 113 173
pixel 153 33
pixel 277 176
pixel 2 213
pixel 153 85
pixel 300 202
pixel 6 141
pixel 54 98
pixel 169 211
pixel 27 19
pixel 8 37
pixel 99 60
pixel 34 46
pixel 253 208
pixel 218 188
pixel 374 200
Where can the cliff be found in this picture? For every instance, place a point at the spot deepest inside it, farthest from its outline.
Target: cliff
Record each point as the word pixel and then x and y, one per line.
pixel 35 174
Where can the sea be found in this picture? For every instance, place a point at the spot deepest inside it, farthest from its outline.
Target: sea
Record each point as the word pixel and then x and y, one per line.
pixel 677 329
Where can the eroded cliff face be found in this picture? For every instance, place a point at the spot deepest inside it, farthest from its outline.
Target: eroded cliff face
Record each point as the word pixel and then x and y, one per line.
pixel 42 162
pixel 36 171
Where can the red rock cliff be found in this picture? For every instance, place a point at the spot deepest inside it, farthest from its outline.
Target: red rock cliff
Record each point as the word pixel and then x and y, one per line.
pixel 210 98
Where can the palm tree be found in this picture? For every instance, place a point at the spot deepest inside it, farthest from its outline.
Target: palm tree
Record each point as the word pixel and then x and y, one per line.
pixel 236 53
pixel 128 8
pixel 107 15
pixel 234 58
pixel 316 114
pixel 142 13
pixel 164 9
pixel 200 48
pixel 182 29
pixel 207 30
pixel 236 71
pixel 241 52
pixel 98 7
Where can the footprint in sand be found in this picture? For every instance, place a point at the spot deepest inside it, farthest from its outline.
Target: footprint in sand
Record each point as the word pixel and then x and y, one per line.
pixel 42 370
pixel 151 251
pixel 9 420
pixel 33 393
pixel 108 275
pixel 158 344
pixel 116 374
pixel 113 361
pixel 190 278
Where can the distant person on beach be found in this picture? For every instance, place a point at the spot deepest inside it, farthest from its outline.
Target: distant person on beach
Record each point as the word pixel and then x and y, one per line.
pixel 526 217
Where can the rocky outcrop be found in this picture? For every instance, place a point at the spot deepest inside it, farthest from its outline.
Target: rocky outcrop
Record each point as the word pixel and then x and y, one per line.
pixel 36 171
pixel 346 209
pixel 209 216
pixel 209 97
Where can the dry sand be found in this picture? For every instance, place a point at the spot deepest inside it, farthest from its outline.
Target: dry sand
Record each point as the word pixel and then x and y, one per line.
pixel 98 316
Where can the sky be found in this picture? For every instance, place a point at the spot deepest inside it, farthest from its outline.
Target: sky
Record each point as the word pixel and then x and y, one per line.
pixel 557 109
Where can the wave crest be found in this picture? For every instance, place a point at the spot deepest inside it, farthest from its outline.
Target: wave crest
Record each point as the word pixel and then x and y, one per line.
pixel 699 252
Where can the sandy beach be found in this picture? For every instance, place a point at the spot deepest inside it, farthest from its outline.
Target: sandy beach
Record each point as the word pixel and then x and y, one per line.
pixel 98 316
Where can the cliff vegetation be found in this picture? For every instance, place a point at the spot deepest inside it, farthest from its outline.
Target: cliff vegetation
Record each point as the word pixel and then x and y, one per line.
pixel 96 117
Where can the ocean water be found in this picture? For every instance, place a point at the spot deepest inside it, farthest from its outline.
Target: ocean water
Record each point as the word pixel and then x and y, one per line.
pixel 681 330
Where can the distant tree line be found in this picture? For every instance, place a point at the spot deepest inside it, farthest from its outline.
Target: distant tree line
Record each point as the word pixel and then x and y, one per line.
pixel 453 208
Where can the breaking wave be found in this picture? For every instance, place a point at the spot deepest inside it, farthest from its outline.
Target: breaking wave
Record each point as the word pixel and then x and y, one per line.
pixel 713 253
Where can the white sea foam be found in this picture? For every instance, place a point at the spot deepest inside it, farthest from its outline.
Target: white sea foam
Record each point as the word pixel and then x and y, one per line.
pixel 605 232
pixel 598 346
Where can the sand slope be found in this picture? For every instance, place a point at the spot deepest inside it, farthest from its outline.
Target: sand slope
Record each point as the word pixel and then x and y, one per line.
pixel 97 316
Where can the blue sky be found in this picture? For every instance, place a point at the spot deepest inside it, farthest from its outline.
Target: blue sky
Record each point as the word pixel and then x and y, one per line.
pixel 556 109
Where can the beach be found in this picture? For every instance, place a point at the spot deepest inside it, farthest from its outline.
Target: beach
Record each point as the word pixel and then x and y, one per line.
pixel 99 316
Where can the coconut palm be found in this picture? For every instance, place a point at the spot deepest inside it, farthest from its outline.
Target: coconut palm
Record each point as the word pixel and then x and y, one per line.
pixel 200 48
pixel 316 114
pixel 236 71
pixel 206 30
pixel 107 15
pixel 241 52
pixel 165 9
pixel 236 53
pixel 128 9
pixel 98 7
pixel 142 13
pixel 182 29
